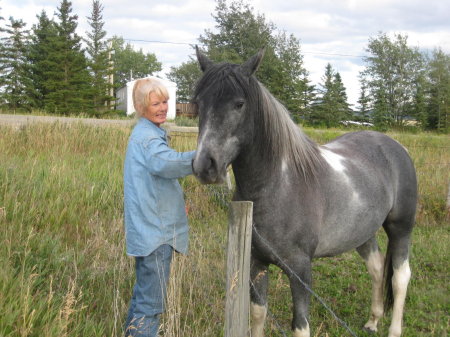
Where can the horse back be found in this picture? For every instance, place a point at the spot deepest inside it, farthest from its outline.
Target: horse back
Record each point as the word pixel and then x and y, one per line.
pixel 367 178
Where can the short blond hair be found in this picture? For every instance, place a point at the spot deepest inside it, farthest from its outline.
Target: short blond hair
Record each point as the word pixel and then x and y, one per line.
pixel 142 90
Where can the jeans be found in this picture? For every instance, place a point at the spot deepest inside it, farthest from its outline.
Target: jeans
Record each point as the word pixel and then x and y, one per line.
pixel 149 293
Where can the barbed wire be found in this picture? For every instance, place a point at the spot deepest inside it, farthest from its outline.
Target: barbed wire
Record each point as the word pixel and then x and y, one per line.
pixel 304 284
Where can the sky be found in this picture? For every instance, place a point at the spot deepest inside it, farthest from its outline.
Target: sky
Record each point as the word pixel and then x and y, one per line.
pixel 330 31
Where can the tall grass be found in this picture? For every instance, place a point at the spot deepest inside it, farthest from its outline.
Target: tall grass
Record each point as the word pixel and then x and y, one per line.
pixel 64 272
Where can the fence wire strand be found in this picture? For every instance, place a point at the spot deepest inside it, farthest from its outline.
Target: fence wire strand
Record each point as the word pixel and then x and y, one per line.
pixel 312 292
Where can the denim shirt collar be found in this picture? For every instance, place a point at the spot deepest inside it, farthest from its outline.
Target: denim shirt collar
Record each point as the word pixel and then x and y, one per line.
pixel 145 122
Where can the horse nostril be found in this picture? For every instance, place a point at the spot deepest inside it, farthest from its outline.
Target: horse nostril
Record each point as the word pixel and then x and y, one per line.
pixel 211 164
pixel 204 167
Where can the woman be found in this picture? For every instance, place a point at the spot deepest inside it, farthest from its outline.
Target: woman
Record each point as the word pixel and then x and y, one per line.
pixel 155 217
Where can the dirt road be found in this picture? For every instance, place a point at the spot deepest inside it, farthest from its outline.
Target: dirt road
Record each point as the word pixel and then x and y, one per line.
pixel 21 120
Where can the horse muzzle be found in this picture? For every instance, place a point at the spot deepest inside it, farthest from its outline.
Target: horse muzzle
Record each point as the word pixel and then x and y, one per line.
pixel 207 169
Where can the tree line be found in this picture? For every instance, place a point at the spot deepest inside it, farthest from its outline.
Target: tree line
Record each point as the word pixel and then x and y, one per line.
pixel 52 69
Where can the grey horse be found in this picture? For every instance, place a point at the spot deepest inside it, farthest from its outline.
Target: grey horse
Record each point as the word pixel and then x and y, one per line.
pixel 309 200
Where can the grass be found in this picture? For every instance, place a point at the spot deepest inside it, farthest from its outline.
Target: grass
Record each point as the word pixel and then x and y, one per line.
pixel 64 272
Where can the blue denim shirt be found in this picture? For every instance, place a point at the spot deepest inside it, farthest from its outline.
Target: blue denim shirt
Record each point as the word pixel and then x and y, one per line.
pixel 153 199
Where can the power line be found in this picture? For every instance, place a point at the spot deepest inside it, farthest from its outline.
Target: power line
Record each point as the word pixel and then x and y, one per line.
pixel 191 44
pixel 163 42
pixel 332 54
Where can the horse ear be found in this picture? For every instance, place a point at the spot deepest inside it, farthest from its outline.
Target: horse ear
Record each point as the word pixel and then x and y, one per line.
pixel 252 64
pixel 204 62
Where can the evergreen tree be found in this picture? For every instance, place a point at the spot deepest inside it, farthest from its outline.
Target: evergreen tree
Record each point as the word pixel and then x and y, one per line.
pixel 331 106
pixel 343 110
pixel 308 97
pixel 68 81
pixel 363 112
pixel 15 82
pixel 1 19
pixel 99 63
pixel 381 114
pixel 324 105
pixel 43 35
pixel 439 96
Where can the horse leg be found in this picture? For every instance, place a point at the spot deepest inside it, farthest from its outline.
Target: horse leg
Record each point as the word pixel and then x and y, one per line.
pixel 299 273
pixel 374 260
pixel 397 272
pixel 258 293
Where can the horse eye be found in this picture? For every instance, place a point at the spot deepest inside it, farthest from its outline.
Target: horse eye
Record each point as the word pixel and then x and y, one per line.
pixel 239 105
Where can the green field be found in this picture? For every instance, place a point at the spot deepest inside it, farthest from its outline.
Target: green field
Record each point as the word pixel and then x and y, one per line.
pixel 64 272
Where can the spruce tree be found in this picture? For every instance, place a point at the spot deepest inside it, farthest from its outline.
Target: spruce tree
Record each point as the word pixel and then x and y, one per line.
pixel 68 81
pixel 331 105
pixel 99 64
pixel 363 112
pixel 439 93
pixel 15 76
pixel 342 108
pixel 44 34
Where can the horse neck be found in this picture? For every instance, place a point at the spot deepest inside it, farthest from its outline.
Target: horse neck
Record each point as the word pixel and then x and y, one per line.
pixel 250 172
pixel 281 142
pixel 278 148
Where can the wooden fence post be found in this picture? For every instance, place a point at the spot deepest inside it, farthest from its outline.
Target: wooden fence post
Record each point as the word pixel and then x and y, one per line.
pixel 237 304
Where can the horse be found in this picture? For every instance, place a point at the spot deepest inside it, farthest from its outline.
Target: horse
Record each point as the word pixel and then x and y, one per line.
pixel 308 200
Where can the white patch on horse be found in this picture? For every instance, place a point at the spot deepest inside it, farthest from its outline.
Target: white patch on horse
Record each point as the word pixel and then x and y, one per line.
pixel 284 166
pixel 333 145
pixel 355 197
pixel 258 313
pixel 333 159
pixel 205 135
pixel 375 266
pixel 400 281
pixel 303 332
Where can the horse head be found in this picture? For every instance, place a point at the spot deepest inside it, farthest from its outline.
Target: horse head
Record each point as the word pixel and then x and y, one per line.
pixel 224 104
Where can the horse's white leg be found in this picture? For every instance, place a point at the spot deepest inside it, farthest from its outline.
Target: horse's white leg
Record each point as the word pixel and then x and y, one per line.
pixel 375 265
pixel 258 294
pixel 374 260
pixel 400 281
pixel 258 313
pixel 303 332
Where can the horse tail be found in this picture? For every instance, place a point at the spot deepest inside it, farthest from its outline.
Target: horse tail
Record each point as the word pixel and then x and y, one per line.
pixel 387 275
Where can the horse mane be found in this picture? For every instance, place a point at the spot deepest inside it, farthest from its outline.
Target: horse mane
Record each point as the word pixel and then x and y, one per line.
pixel 284 140
pixel 281 139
